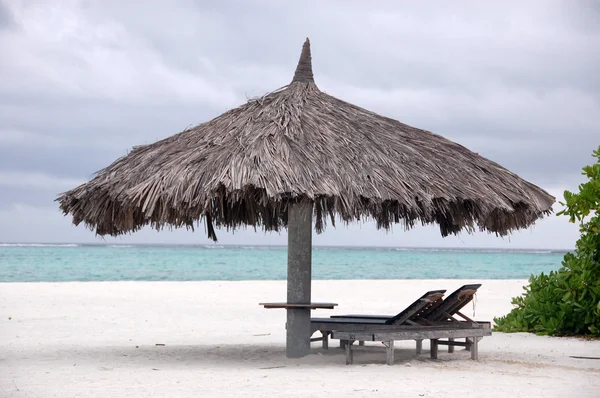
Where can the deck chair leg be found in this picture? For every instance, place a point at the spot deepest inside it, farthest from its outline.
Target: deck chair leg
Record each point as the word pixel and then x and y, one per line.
pixel 434 348
pixel 475 349
pixel 343 344
pixel 349 352
pixel 468 347
pixel 325 340
pixel 450 346
pixel 361 342
pixel 389 352
pixel 419 347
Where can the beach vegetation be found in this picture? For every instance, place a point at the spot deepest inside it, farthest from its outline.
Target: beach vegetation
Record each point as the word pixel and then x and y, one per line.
pixel 567 301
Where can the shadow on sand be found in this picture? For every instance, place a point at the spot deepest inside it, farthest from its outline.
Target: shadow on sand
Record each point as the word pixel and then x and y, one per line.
pixel 228 355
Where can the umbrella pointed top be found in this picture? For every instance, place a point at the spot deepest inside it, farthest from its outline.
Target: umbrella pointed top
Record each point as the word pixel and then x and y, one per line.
pixel 304 72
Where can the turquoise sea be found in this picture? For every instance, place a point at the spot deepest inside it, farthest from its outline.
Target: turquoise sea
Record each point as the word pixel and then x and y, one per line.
pixel 70 262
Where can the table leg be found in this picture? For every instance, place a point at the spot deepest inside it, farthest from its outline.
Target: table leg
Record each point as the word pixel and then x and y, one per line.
pixel 434 349
pixel 349 353
pixel 390 352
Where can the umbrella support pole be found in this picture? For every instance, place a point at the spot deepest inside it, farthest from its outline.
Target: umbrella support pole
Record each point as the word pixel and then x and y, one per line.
pixel 299 278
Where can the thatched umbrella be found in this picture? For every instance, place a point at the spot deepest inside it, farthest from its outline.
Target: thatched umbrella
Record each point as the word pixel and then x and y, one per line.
pixel 299 154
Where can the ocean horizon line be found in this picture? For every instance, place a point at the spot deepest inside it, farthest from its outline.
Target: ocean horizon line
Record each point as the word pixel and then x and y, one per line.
pixel 217 245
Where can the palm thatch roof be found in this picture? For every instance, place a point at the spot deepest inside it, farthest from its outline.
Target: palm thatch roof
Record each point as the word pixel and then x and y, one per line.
pixel 301 144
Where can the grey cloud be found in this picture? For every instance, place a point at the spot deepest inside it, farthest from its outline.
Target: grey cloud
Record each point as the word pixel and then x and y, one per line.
pixel 57 162
pixel 102 123
pixel 394 45
pixel 34 197
pixel 6 18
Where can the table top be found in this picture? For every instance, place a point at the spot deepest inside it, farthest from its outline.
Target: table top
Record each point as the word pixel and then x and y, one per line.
pixel 312 306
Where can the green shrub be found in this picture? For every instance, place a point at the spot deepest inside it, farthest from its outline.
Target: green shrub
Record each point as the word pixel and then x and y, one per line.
pixel 567 301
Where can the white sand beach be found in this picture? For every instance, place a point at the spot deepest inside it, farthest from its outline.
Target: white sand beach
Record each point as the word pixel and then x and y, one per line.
pixel 99 339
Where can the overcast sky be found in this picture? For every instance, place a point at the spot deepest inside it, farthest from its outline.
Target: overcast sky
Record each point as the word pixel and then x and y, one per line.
pixel 81 82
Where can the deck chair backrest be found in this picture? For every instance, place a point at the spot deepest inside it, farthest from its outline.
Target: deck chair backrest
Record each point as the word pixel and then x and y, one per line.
pixel 415 309
pixel 432 302
pixel 453 303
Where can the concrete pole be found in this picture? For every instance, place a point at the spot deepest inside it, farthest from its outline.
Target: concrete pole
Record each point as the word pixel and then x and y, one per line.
pixel 299 278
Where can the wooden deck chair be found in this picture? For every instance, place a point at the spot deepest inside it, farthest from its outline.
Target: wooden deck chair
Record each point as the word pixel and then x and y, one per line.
pixel 409 316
